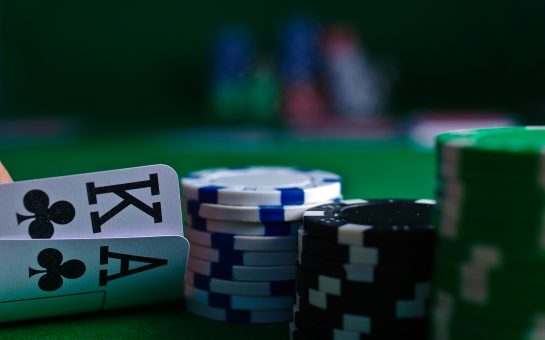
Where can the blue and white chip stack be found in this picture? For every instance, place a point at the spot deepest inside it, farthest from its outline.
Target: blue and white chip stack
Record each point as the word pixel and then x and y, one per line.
pixel 355 84
pixel 242 226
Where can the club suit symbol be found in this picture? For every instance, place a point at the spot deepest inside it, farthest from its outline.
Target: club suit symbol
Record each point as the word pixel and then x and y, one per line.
pixel 37 202
pixel 55 271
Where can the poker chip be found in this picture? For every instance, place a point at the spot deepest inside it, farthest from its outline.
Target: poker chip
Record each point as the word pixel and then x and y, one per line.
pixel 355 85
pixel 323 333
pixel 306 328
pixel 494 153
pixel 415 307
pixel 244 258
pixel 238 302
pixel 242 273
pixel 236 315
pixel 373 292
pixel 372 223
pixel 490 196
pixel 380 327
pixel 242 225
pixel 263 92
pixel 262 213
pixel 232 57
pixel 237 242
pixel 243 228
pixel 462 328
pixel 364 270
pixel 345 321
pixel 271 186
pixel 400 256
pixel 300 62
pixel 272 288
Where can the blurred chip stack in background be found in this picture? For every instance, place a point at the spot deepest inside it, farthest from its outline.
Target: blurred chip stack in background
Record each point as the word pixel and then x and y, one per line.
pixel 353 83
pixel 322 77
pixel 232 56
pixel 263 88
pixel 299 66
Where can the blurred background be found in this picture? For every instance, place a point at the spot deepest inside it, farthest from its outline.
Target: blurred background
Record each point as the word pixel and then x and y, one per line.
pixel 373 68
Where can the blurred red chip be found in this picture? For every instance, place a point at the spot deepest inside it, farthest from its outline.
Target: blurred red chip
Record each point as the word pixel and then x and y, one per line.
pixel 303 102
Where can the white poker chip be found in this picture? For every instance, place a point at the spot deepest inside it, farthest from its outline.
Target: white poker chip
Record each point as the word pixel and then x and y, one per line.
pixel 244 288
pixel 244 258
pixel 261 186
pixel 242 273
pixel 236 242
pixel 264 213
pixel 242 228
pixel 238 302
pixel 238 316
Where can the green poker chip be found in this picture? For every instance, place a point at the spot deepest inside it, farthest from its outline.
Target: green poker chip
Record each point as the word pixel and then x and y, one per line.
pixel 493 210
pixel 455 326
pixel 522 144
pixel 502 256
pixel 488 291
pixel 490 221
pixel 481 153
pixel 512 314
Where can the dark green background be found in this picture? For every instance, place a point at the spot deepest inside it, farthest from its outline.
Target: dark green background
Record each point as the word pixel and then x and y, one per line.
pixel 144 63
pixel 388 169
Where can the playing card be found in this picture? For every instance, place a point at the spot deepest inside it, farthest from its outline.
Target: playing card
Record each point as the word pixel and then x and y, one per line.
pixel 42 278
pixel 142 201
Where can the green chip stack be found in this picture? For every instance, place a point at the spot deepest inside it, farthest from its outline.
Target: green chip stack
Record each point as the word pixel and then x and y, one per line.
pixel 490 260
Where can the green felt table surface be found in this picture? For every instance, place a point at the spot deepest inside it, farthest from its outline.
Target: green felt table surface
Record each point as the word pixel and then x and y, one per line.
pixel 391 169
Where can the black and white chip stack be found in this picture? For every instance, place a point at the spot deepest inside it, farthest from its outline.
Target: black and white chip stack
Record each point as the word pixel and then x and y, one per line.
pixel 364 271
pixel 242 227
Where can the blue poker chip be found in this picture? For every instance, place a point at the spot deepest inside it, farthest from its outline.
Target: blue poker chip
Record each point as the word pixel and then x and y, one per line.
pixel 232 55
pixel 244 288
pixel 237 315
pixel 244 258
pixel 242 228
pixel 237 301
pixel 236 242
pixel 242 273
pixel 247 213
pixel 261 186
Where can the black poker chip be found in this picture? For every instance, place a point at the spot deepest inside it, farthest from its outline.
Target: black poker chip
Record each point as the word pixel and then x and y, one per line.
pixel 303 328
pixel 355 292
pixel 364 270
pixel 378 326
pixel 365 273
pixel 388 306
pixel 314 332
pixel 381 223
pixel 385 257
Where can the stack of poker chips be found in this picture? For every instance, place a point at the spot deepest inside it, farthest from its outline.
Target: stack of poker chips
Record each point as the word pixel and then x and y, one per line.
pixel 353 82
pixel 233 53
pixel 364 271
pixel 300 64
pixel 489 277
pixel 244 88
pixel 242 227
